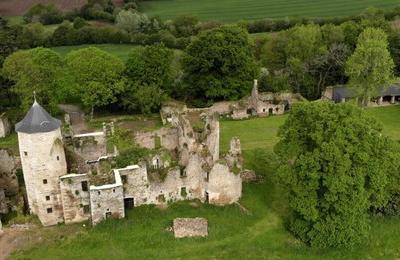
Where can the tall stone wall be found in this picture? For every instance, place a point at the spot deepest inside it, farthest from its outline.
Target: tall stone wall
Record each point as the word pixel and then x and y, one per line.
pixel 223 187
pixel 107 201
pixel 75 197
pixel 43 162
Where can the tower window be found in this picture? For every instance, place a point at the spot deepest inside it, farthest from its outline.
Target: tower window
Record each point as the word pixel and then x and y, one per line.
pixel 124 179
pixel 49 210
pixel 47 198
pixel 84 185
pixel 98 192
pixel 58 158
pixel 44 181
pixel 86 209
pixel 26 153
pixel 183 192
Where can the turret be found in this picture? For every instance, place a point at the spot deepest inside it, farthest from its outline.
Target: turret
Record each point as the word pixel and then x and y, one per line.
pixel 43 162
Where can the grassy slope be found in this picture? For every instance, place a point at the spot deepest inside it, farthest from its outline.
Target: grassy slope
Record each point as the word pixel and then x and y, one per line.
pixel 233 10
pixel 233 234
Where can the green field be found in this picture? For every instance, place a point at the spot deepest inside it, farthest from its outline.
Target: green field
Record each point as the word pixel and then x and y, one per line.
pixel 233 234
pixel 233 10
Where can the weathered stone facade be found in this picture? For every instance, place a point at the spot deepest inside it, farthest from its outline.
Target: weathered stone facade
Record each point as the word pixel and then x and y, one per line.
pixel 43 163
pixel 5 126
pixel 75 197
pixel 107 200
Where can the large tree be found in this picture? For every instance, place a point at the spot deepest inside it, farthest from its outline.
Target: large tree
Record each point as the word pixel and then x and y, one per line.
pixel 41 70
pixel 98 74
pixel 370 68
pixel 150 65
pixel 336 165
pixel 219 64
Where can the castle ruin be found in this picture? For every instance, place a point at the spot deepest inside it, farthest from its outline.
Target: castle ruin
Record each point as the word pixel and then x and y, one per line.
pixel 184 164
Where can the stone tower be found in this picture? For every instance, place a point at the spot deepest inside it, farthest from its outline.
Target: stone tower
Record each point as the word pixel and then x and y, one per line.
pixel 43 162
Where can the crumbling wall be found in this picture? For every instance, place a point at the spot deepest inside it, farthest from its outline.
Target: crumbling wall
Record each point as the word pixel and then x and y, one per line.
pixel 5 126
pixel 136 184
pixel 223 187
pixel 75 197
pixel 107 201
pixel 8 167
pixel 167 138
pixel 212 140
pixel 3 204
pixel 90 146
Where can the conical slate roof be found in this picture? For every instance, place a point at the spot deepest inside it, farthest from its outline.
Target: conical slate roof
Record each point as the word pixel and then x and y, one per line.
pixel 37 120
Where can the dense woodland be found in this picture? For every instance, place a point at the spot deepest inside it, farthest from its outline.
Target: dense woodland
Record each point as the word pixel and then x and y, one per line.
pixel 333 186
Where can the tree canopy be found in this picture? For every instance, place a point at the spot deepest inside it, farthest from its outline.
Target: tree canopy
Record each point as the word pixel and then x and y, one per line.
pixel 219 64
pixel 41 70
pixel 371 67
pixel 150 65
pixel 336 165
pixel 98 75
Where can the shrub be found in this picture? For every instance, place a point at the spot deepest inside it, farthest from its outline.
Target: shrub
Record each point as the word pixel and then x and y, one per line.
pixel 45 14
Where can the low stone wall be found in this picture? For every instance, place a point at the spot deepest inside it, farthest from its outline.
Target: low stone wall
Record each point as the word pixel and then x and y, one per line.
pixel 167 138
pixel 90 146
pixel 190 227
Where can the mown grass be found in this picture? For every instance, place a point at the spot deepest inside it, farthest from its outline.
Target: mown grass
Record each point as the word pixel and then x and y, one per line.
pixel 233 10
pixel 233 234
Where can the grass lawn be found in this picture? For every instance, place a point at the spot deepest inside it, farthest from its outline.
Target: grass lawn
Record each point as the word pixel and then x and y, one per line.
pixel 233 10
pixel 233 234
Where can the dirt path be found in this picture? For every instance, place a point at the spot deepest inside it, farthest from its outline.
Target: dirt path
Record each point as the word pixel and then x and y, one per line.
pixel 12 239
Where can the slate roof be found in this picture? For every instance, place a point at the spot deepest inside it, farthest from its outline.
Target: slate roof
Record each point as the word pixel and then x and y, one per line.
pixel 340 92
pixel 37 120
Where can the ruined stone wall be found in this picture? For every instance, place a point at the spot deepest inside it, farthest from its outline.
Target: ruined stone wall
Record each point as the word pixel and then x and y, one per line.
pixel 8 166
pixel 107 201
pixel 267 109
pixel 3 204
pixel 212 140
pixel 223 187
pixel 43 162
pixel 75 200
pixel 179 183
pixel 90 146
pixel 5 126
pixel 168 138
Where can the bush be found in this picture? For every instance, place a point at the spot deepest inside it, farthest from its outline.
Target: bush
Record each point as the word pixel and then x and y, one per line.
pixel 45 14
pixel 79 23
